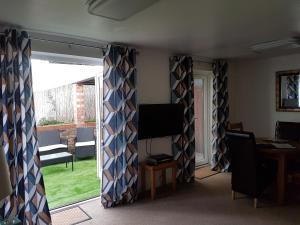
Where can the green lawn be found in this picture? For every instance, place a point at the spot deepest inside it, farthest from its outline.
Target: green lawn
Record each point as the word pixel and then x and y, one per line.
pixel 64 186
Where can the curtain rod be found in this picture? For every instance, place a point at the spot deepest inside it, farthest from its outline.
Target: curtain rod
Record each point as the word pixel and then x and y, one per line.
pixel 197 58
pixel 93 46
pixel 210 63
pixel 200 59
pixel 67 43
pixel 62 42
pixel 72 43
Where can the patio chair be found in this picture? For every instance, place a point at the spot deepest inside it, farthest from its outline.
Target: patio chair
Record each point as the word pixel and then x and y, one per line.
pixel 85 143
pixel 53 150
pixel 50 142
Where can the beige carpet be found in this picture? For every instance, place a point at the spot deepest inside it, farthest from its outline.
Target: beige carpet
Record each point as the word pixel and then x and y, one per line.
pixel 204 172
pixel 70 216
pixel 206 202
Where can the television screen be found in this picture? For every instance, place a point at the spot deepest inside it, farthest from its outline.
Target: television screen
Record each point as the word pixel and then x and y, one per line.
pixel 160 120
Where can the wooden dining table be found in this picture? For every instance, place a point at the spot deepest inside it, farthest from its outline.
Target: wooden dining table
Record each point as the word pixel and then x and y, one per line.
pixel 281 156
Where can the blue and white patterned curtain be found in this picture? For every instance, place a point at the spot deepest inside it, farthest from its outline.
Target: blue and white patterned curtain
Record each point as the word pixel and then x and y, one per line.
pixel 182 92
pixel 119 144
pixel 18 132
pixel 293 87
pixel 220 159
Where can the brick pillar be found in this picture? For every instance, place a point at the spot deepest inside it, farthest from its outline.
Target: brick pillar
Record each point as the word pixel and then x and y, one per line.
pixel 69 134
pixel 79 108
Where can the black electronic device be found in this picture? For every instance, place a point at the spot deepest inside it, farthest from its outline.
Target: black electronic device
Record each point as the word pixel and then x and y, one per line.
pixel 160 120
pixel 158 159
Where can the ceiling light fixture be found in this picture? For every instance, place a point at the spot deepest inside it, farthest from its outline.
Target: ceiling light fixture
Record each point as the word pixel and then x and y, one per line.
pixel 276 44
pixel 118 9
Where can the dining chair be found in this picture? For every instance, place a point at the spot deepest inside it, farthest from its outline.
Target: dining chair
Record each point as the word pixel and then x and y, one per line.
pixel 250 174
pixel 236 126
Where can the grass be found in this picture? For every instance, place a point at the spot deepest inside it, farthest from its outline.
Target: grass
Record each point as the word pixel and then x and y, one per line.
pixel 65 187
pixel 44 122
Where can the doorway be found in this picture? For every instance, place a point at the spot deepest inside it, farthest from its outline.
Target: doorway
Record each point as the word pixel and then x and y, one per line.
pixel 66 94
pixel 203 116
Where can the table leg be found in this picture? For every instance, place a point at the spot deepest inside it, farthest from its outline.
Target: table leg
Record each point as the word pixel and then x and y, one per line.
pixel 66 164
pixel 72 165
pixel 281 180
pixel 174 170
pixel 163 177
pixel 153 185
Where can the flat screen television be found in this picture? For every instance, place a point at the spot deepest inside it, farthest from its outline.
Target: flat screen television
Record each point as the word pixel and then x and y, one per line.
pixel 160 120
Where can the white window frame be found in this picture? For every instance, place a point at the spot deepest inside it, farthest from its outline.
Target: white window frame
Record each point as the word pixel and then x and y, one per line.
pixel 207 77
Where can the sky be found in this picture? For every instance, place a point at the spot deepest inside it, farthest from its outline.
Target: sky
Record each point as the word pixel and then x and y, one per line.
pixel 46 75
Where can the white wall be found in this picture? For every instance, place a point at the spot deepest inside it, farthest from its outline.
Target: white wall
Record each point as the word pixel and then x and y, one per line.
pixel 153 87
pixel 252 97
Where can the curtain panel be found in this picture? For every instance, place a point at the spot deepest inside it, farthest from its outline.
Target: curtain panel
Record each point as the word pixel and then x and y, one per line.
pixel 119 142
pixel 182 92
pixel 220 156
pixel 18 132
pixel 293 87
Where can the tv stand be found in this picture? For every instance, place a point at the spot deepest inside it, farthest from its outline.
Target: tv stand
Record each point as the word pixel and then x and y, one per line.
pixel 153 169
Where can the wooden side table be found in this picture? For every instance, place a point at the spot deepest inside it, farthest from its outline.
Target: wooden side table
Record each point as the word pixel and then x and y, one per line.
pixel 153 169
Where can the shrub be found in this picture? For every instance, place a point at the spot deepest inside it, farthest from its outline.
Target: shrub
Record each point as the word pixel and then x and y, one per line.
pixel 89 121
pixel 44 122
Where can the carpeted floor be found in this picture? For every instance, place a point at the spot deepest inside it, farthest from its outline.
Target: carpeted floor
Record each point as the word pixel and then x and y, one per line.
pixel 206 202
pixel 204 172
pixel 73 215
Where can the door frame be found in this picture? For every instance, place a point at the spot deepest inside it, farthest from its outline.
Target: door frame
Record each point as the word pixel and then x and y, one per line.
pixel 99 115
pixel 207 77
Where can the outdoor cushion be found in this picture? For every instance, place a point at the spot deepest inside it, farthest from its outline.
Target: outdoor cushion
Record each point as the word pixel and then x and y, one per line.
pixel 85 143
pixel 52 147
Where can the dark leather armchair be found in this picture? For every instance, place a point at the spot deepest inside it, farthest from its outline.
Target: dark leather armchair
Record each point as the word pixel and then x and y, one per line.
pixel 288 130
pixel 250 175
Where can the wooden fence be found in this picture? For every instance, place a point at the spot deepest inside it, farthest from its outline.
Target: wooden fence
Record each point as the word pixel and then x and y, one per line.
pixel 58 104
pixel 89 102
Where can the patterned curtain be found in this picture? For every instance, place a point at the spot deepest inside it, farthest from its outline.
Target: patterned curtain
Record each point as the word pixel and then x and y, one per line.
pixel 293 87
pixel 220 159
pixel 18 132
pixel 119 144
pixel 182 92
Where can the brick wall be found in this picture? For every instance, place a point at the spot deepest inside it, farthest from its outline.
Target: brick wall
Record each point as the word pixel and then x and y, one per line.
pixel 79 107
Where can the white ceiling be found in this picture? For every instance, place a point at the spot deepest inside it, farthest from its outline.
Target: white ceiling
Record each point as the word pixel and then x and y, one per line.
pixel 209 28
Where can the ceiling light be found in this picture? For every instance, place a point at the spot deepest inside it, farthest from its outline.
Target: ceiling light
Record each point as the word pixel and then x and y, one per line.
pixel 118 9
pixel 285 43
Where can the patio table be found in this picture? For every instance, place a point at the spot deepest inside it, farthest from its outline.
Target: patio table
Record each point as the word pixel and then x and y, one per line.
pixel 61 157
